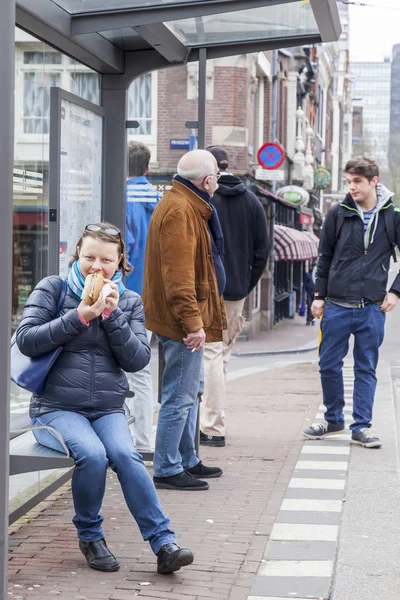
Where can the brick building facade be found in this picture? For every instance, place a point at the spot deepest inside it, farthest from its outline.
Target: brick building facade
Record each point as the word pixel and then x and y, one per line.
pixel 239 118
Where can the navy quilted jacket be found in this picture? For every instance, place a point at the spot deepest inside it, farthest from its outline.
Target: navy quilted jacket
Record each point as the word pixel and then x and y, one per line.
pixel 88 376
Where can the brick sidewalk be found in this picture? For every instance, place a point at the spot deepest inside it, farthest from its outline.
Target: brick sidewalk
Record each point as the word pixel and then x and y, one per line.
pixel 227 527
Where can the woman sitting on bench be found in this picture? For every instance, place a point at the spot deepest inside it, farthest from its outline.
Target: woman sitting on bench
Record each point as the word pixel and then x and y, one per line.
pixel 85 391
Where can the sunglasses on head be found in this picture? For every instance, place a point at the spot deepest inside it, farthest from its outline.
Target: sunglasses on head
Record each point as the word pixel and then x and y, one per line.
pixel 109 230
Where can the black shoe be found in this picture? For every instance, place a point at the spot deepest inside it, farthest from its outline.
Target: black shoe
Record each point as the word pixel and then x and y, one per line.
pixel 323 430
pixel 181 481
pixel 98 555
pixel 171 558
pixel 200 471
pixel 216 441
pixel 365 438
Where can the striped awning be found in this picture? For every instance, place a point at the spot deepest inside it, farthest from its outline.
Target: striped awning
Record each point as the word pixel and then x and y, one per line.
pixel 293 245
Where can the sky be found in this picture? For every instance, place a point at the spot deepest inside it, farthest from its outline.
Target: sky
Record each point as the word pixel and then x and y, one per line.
pixel 374 30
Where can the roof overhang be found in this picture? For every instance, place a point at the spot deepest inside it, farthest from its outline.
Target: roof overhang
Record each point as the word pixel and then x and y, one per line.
pixel 109 39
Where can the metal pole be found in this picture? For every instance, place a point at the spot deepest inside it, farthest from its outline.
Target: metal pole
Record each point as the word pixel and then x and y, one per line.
pixel 274 129
pixel 202 98
pixel 7 65
pixel 114 101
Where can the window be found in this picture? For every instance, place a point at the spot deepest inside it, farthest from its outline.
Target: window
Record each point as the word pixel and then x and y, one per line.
pixel 320 113
pixel 87 86
pixel 36 113
pixel 142 107
pixel 140 103
pixel 39 69
pixel 42 58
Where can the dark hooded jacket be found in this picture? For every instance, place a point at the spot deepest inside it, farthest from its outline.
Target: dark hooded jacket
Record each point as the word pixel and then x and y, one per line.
pixel 246 240
pixel 353 265
pixel 88 377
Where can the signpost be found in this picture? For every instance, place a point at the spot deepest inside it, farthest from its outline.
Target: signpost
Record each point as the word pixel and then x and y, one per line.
pixel 264 175
pixel 271 156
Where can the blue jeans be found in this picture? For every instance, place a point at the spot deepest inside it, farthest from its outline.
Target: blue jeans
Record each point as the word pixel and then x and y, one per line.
pixel 95 444
pixel 367 325
pixel 182 384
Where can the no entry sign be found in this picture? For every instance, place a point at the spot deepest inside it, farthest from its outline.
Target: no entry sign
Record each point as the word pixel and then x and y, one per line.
pixel 271 156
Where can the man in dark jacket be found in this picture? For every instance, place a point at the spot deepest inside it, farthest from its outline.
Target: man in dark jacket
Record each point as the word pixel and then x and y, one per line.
pixel 246 247
pixel 357 242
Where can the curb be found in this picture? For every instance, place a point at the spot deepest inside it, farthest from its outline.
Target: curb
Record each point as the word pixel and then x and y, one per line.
pixel 307 348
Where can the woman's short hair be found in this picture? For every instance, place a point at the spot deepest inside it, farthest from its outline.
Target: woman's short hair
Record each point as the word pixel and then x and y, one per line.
pixel 108 238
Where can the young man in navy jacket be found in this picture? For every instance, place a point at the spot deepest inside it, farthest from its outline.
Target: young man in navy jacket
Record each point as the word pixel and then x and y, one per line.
pixel 357 242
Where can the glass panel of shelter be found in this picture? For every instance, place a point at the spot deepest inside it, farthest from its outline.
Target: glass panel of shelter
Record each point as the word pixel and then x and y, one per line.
pixel 38 67
pixel 286 20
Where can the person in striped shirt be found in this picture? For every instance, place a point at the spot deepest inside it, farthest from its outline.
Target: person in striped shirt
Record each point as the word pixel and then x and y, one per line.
pixel 141 200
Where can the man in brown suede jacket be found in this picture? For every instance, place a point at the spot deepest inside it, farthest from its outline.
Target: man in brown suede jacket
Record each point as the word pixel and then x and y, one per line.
pixel 182 295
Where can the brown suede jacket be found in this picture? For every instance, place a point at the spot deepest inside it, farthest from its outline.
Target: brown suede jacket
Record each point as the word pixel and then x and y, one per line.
pixel 180 291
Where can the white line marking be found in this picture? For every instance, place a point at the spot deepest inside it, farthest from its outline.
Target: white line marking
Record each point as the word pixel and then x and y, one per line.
pixel 274 598
pixel 325 449
pixel 303 532
pixel 312 505
pixel 347 408
pixel 317 484
pixel 296 568
pixel 323 465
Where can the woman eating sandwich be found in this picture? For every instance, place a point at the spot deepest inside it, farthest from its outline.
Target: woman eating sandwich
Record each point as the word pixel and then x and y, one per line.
pixel 101 329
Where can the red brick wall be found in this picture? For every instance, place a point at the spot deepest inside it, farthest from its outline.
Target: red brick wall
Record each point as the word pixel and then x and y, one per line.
pixel 229 107
pixel 174 109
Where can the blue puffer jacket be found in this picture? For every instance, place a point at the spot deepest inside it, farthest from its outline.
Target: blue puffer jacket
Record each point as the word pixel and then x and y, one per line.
pixel 88 376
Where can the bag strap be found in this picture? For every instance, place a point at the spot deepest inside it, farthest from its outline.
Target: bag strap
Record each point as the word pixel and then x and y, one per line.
pixel 389 224
pixel 62 296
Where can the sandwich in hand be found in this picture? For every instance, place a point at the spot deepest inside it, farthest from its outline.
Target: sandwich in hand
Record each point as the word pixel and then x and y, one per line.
pixel 93 285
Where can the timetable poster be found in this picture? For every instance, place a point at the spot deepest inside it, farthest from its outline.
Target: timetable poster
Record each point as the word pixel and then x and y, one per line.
pixel 80 176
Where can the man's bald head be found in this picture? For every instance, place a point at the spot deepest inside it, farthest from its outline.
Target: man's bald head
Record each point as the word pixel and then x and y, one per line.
pixel 197 165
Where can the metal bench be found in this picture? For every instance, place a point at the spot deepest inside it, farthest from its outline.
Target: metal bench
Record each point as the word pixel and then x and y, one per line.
pixel 26 455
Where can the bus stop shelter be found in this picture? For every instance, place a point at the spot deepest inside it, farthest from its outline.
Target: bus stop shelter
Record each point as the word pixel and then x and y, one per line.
pixel 123 39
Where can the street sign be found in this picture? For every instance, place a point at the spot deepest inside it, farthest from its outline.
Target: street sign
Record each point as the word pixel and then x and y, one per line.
pixel 271 156
pixel 264 175
pixel 179 144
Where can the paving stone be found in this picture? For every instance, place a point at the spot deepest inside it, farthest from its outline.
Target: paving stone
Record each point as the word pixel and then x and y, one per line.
pixel 228 552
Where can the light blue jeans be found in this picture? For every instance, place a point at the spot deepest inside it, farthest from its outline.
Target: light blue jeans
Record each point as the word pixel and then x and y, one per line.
pixel 368 327
pixel 95 444
pixel 182 384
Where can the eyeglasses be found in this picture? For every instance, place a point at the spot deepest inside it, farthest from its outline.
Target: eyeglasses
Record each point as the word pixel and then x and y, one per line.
pixel 109 230
pixel 216 175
